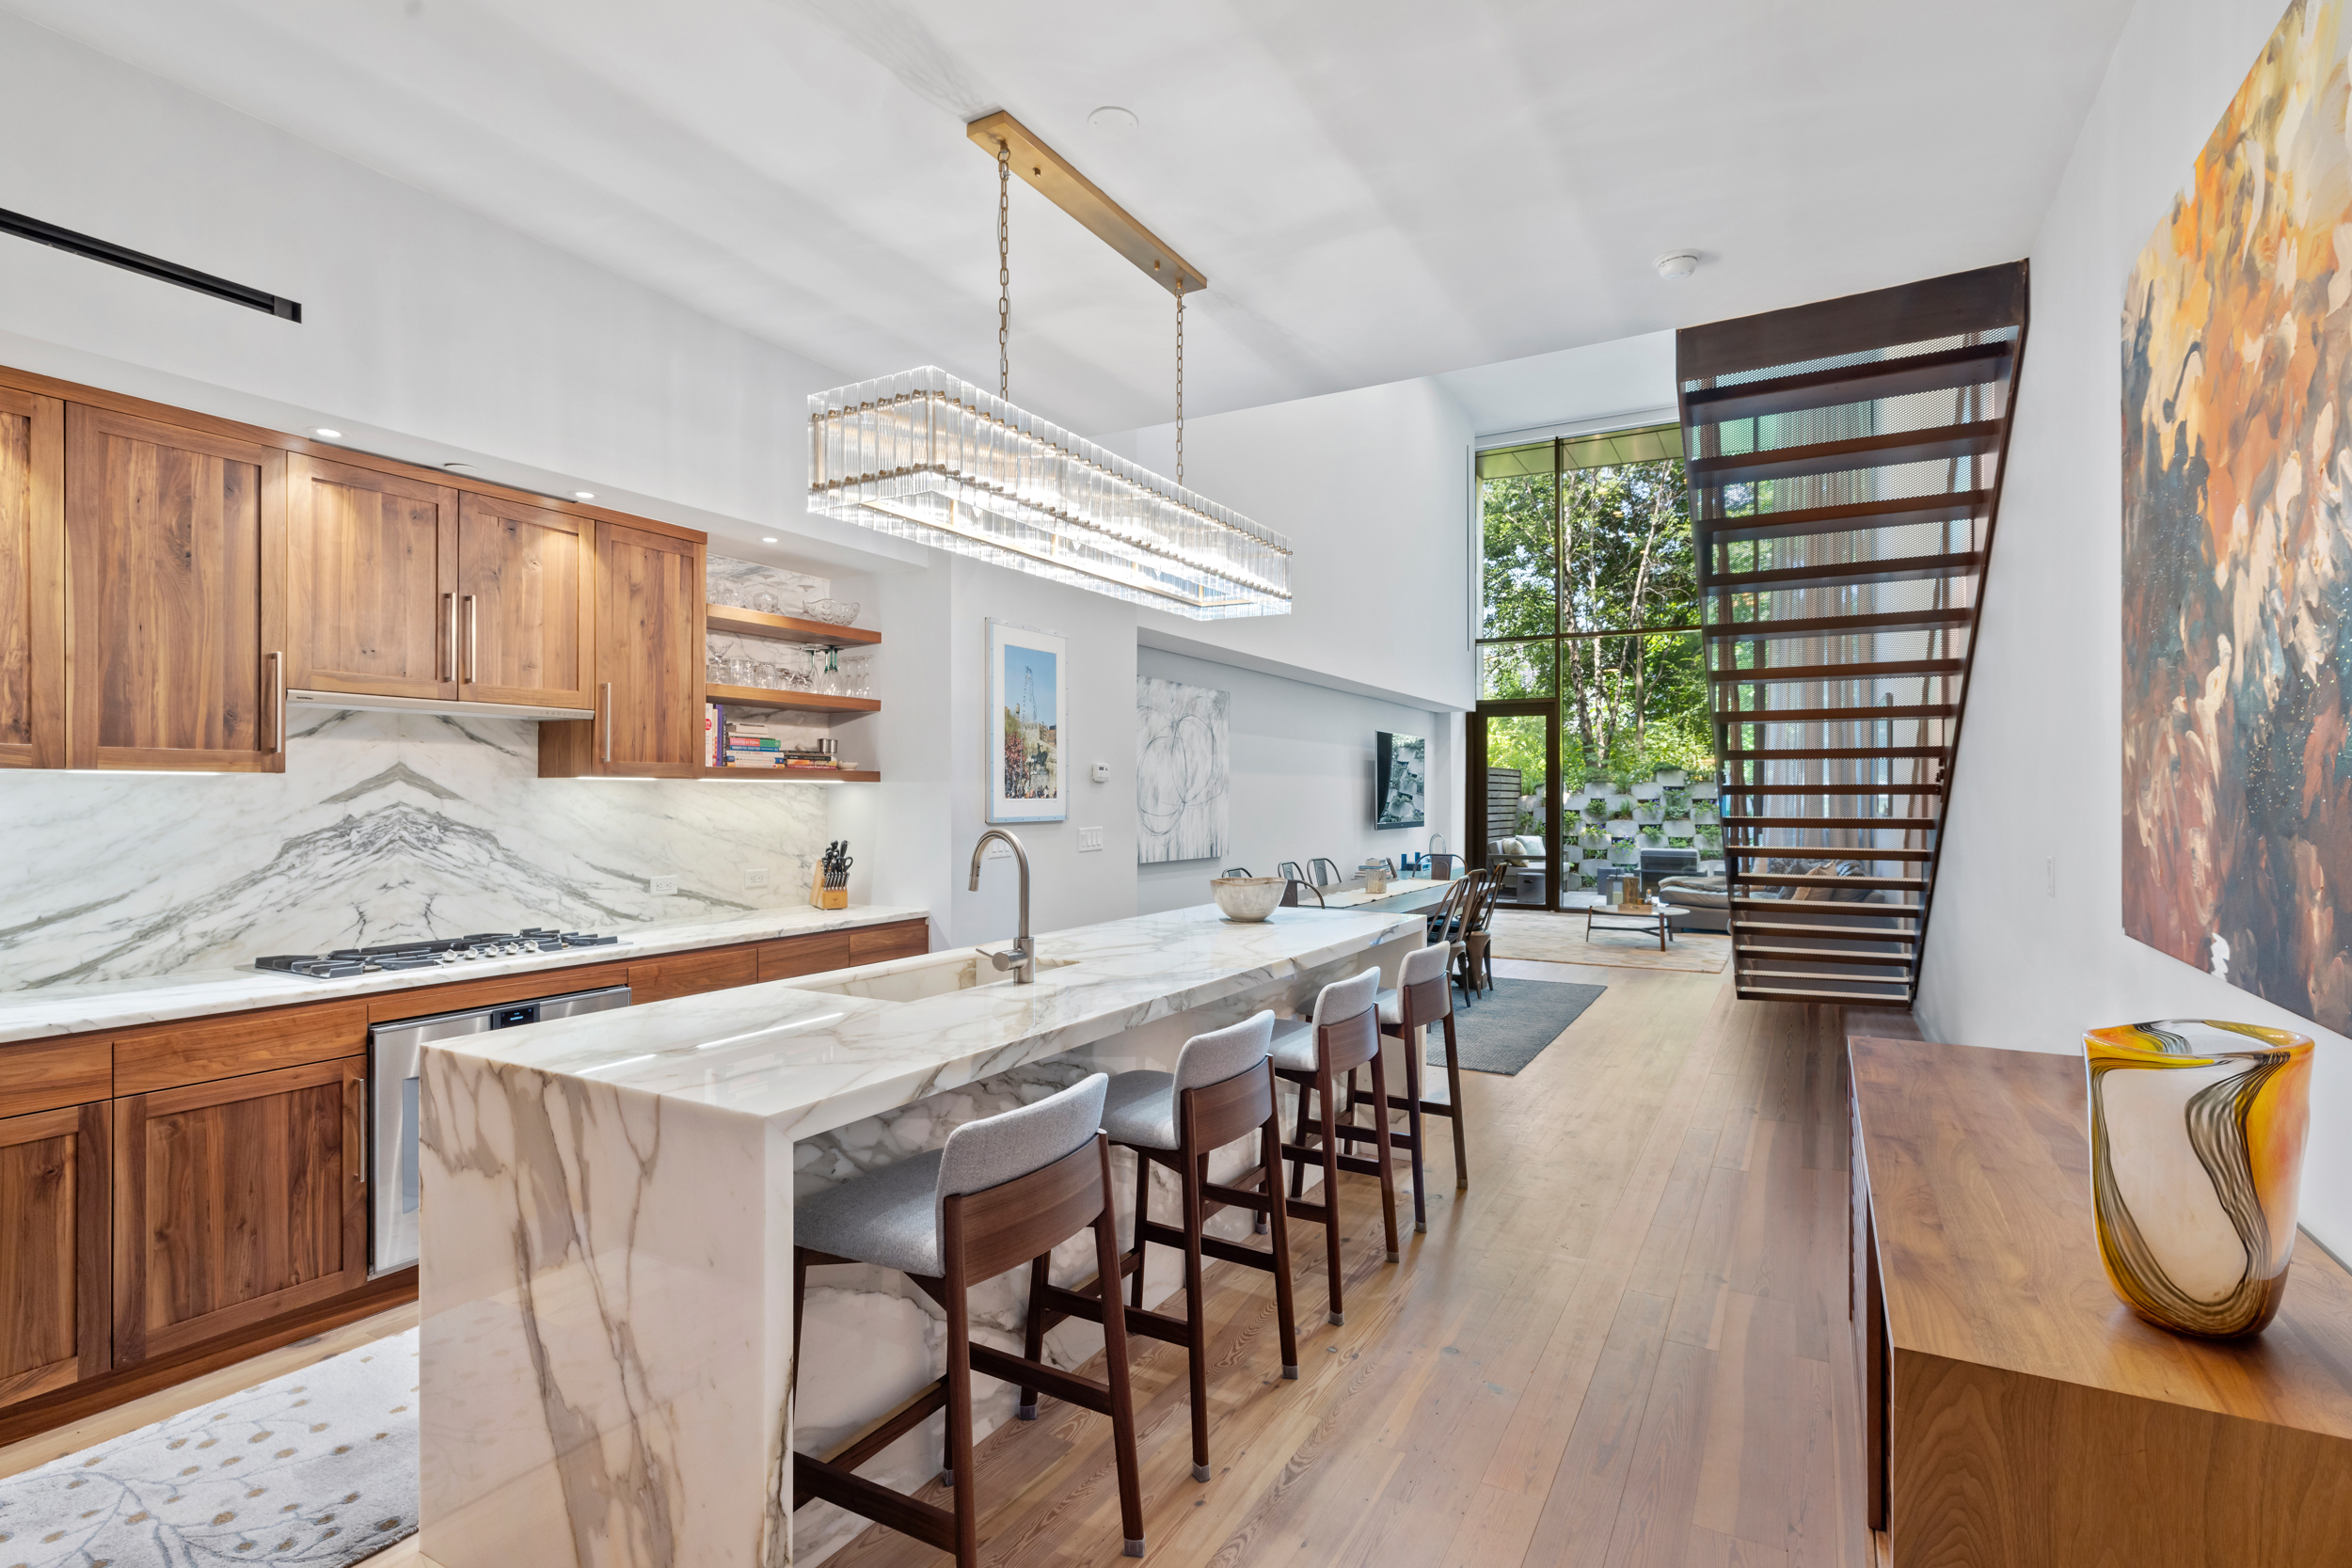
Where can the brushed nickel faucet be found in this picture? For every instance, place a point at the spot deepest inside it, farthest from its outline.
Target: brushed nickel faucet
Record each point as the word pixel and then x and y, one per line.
pixel 1023 959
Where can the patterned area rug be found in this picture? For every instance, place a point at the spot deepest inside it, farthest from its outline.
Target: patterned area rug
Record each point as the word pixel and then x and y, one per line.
pixel 1560 939
pixel 1509 1026
pixel 316 1468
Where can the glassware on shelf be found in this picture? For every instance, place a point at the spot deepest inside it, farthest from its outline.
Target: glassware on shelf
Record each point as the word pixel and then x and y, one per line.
pixel 715 667
pixel 764 673
pixel 767 603
pixel 741 670
pixel 839 612
pixel 725 595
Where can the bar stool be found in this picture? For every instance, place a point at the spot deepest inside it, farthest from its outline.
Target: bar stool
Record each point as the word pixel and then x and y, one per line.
pixel 1006 1190
pixel 1344 1035
pixel 1222 1090
pixel 1422 998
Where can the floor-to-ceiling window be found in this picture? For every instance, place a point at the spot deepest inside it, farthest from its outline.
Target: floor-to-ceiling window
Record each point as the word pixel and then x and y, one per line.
pixel 1590 663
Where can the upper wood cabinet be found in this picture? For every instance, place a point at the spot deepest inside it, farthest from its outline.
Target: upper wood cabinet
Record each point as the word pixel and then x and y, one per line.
pixel 648 663
pixel 236 1200
pixel 526 604
pixel 32 576
pixel 175 604
pixel 54 1262
pixel 371 583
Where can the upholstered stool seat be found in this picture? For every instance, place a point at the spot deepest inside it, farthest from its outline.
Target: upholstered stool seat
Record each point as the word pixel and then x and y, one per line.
pixel 1318 1056
pixel 1139 1109
pixel 889 1217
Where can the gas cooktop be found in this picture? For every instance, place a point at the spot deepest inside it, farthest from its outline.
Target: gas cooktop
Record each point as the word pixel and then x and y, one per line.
pixel 431 952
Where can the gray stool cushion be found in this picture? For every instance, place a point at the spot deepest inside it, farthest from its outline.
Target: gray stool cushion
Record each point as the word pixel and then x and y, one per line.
pixel 1294 1045
pixel 1294 1042
pixel 889 1216
pixel 1140 1107
pixel 1421 964
pixel 892 1216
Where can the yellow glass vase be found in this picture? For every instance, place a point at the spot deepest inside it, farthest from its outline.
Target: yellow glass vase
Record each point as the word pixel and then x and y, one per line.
pixel 2197 1130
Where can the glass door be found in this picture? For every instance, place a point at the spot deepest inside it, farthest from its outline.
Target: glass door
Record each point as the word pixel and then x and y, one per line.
pixel 1515 816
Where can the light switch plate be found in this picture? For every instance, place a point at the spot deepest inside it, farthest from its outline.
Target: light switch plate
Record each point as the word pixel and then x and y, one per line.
pixel 999 851
pixel 1102 775
pixel 754 875
pixel 664 885
pixel 1089 838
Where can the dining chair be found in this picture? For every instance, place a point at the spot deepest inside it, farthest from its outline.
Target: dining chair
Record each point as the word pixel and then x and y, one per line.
pixel 1290 893
pixel 1237 871
pixel 1478 962
pixel 1290 869
pixel 1324 873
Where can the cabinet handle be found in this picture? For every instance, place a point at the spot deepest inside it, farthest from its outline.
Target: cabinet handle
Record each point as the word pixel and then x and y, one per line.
pixel 608 720
pixel 277 701
pixel 354 1131
pixel 473 639
pixel 448 608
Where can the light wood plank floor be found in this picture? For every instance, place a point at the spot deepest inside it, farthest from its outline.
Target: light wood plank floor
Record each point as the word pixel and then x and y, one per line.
pixel 1625 1344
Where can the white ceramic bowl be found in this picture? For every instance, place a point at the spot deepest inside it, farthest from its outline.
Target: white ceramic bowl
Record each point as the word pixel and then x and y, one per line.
pixel 1248 898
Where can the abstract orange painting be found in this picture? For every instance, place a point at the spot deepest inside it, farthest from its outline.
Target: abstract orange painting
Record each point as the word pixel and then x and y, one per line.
pixel 2237 541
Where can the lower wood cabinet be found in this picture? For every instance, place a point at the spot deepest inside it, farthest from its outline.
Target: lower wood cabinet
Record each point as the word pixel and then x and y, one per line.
pixel 236 1200
pixel 53 1179
pixel 690 974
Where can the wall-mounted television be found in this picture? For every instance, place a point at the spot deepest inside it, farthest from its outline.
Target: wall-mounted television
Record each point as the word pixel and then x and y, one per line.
pixel 1400 772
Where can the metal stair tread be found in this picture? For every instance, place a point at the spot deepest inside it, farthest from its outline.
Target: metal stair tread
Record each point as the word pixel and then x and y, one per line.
pixel 1851 518
pixel 1943 369
pixel 1877 569
pixel 1935 444
pixel 1962 616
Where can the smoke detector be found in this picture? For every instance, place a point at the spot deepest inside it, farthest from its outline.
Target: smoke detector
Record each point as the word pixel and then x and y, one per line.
pixel 1677 264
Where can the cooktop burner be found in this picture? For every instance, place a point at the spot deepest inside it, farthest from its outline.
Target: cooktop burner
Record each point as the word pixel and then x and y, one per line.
pixel 431 952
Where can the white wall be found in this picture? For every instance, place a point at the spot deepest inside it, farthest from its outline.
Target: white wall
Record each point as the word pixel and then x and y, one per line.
pixel 2039 775
pixel 1302 777
pixel 1373 488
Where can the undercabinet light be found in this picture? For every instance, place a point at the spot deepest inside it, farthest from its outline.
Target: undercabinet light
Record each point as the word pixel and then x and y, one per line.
pixel 326 435
pixel 158 773
pixel 767 539
pixel 584 495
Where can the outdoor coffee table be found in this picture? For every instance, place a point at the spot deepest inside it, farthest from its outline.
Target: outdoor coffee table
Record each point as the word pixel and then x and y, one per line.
pixel 1634 917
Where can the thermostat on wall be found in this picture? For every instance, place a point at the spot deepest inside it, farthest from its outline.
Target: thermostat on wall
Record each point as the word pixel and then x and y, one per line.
pixel 1101 772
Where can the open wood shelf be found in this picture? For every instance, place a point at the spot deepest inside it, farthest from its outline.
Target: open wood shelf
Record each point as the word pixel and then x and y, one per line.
pixel 797 775
pixel 785 629
pixel 796 701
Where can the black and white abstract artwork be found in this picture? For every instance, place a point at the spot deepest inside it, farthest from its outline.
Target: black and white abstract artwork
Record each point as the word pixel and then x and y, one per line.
pixel 1400 780
pixel 1183 771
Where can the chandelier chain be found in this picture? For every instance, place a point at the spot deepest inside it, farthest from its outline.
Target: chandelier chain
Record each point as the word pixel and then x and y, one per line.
pixel 1180 378
pixel 1004 270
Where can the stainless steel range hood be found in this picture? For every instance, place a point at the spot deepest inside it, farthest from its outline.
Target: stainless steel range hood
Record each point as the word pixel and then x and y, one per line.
pixel 434 704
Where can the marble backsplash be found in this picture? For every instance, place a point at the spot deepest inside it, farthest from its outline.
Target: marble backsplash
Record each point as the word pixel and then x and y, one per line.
pixel 383 827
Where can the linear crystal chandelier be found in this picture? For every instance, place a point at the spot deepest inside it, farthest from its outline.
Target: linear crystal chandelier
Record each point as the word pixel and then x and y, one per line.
pixel 931 458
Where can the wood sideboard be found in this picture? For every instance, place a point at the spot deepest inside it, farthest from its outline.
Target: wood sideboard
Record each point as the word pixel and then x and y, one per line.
pixel 176 1196
pixel 2015 1413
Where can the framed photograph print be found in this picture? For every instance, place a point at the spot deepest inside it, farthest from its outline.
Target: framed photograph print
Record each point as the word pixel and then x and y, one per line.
pixel 1400 780
pixel 1028 779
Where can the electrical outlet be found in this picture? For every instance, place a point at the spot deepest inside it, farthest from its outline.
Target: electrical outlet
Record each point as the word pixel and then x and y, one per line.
pixel 662 885
pixel 1089 838
pixel 999 851
pixel 754 875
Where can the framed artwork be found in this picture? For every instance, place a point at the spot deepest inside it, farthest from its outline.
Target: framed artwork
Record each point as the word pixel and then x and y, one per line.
pixel 2237 633
pixel 1183 771
pixel 1400 771
pixel 1028 781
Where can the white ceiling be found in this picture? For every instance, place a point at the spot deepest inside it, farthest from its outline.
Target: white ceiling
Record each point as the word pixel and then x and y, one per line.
pixel 1375 188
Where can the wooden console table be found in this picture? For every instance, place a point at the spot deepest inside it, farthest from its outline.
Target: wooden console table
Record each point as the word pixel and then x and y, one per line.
pixel 2014 1412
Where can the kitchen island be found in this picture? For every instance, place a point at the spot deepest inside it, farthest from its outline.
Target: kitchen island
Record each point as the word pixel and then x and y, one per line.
pixel 607 1262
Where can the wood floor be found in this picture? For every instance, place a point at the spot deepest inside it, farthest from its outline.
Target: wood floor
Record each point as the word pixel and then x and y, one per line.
pixel 1625 1345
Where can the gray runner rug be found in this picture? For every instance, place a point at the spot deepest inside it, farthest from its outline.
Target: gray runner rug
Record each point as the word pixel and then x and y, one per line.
pixel 316 1468
pixel 1509 1026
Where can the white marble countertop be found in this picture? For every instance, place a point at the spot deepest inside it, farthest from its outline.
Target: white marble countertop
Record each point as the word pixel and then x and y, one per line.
pixel 123 1004
pixel 805 1059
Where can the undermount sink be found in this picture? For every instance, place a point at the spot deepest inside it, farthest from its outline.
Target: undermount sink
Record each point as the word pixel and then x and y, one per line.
pixel 914 979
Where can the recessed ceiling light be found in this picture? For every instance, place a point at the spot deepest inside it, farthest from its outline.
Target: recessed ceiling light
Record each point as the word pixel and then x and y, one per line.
pixel 1111 121
pixel 767 539
pixel 326 435
pixel 584 495
pixel 1677 265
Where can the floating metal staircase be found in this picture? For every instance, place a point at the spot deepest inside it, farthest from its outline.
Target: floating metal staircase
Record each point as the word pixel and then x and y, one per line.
pixel 1845 465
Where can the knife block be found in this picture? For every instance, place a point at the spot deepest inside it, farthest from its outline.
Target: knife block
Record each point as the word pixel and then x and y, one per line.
pixel 823 897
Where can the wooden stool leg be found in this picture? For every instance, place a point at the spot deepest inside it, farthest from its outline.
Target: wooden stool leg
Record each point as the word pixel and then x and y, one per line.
pixel 1278 1220
pixel 1196 1314
pixel 1033 1333
pixel 1413 1047
pixel 1115 1373
pixel 1143 1213
pixel 1380 1142
pixel 1454 1099
pixel 1298 1170
pixel 1327 1090
pixel 959 1465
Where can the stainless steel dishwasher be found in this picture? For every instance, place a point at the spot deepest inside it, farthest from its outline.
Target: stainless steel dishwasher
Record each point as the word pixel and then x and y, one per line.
pixel 394 1052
